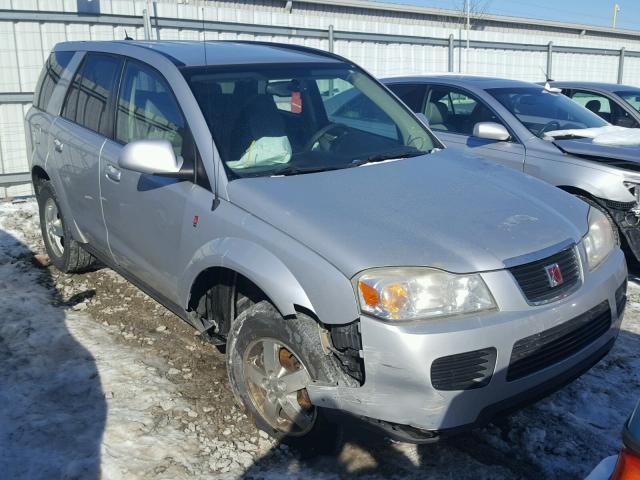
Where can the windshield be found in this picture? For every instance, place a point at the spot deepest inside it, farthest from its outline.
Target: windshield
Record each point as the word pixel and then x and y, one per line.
pixel 541 111
pixel 632 97
pixel 287 120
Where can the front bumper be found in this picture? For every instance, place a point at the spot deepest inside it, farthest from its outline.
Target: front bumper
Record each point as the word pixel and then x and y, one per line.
pixel 628 224
pixel 398 357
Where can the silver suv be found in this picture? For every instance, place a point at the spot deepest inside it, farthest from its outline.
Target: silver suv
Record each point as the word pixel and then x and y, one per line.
pixel 349 266
pixel 537 130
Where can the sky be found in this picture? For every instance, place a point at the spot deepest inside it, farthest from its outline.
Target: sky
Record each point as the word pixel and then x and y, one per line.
pixel 590 12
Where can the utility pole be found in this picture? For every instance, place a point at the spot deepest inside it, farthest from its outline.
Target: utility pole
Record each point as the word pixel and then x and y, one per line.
pixel 467 5
pixel 616 9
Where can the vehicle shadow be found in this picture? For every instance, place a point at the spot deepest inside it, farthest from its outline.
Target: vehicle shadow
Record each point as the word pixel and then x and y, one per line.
pixel 53 410
pixel 561 436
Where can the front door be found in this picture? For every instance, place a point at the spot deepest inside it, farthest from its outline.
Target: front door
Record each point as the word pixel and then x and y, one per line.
pixel 144 213
pixel 452 114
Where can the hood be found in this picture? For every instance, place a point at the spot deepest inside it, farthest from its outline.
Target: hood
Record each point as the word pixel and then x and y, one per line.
pixel 627 157
pixel 444 210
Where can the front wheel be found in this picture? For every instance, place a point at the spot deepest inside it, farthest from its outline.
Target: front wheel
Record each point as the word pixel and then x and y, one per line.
pixel 270 362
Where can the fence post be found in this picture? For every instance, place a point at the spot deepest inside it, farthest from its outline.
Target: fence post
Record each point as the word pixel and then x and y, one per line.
pixel 621 65
pixel 451 53
pixel 331 38
pixel 549 61
pixel 147 24
pixel 155 17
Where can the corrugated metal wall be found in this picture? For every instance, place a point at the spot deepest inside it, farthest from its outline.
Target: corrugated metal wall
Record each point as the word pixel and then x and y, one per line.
pixel 25 43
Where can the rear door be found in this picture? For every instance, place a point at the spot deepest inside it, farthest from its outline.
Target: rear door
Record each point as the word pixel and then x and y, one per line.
pixel 78 137
pixel 145 213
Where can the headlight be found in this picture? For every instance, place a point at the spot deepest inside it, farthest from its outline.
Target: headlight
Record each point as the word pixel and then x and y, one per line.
pixel 413 293
pixel 599 241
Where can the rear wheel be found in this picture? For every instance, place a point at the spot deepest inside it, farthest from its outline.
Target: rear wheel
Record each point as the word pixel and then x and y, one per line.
pixel 64 252
pixel 270 362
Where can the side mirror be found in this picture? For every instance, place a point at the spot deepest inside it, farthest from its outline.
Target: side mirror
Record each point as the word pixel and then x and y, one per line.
pixel 423 118
pixel 154 157
pixel 491 131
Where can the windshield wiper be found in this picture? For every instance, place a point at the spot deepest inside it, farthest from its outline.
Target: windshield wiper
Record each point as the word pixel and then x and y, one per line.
pixel 381 157
pixel 293 170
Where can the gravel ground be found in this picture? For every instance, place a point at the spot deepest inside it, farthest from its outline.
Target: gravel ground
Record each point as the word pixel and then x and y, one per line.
pixel 99 381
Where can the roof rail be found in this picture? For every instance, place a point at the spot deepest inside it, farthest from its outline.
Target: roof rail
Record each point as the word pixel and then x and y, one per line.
pixel 300 48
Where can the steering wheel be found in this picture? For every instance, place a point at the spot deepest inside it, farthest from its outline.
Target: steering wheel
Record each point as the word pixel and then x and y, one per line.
pixel 324 131
pixel 547 127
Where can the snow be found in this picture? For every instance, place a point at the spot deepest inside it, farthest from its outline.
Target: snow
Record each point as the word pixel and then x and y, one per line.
pixel 608 135
pixel 96 392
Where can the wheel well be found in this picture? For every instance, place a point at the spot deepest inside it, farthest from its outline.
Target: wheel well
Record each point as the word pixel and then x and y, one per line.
pixel 38 175
pixel 576 191
pixel 218 295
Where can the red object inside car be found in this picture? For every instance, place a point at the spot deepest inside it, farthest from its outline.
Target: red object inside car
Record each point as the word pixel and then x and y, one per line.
pixel 628 466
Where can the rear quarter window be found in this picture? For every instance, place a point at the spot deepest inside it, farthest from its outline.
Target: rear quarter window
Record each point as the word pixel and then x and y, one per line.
pixel 50 77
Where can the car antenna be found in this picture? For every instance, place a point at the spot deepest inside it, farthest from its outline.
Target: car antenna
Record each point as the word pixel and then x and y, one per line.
pixel 216 198
pixel 126 36
pixel 547 86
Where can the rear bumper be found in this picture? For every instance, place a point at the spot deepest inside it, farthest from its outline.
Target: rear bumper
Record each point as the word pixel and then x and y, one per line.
pixel 398 389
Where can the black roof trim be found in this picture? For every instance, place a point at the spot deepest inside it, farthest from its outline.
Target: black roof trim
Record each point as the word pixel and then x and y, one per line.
pixel 173 59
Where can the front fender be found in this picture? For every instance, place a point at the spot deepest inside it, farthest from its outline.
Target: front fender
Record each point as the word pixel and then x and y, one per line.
pixel 242 256
pixel 599 180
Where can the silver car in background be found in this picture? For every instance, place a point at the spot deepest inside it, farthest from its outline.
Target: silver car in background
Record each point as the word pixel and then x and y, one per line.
pixel 507 121
pixel 617 104
pixel 368 271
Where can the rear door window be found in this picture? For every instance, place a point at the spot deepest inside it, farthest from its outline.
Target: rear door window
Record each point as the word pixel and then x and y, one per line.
pixel 49 78
pixel 88 101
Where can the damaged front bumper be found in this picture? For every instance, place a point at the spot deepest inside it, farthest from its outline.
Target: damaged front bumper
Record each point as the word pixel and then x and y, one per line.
pixel 627 218
pixel 412 369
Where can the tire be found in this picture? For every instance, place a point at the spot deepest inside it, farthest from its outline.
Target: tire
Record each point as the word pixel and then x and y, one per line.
pixel 64 252
pixel 262 322
pixel 596 205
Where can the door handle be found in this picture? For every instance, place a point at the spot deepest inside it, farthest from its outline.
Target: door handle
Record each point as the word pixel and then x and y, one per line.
pixel 113 173
pixel 58 145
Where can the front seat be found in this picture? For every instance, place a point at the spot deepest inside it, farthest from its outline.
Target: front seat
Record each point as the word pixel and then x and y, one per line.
pixel 594 106
pixel 259 118
pixel 437 114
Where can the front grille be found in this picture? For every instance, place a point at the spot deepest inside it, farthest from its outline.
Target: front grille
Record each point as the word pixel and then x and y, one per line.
pixel 534 281
pixel 621 298
pixel 547 348
pixel 463 371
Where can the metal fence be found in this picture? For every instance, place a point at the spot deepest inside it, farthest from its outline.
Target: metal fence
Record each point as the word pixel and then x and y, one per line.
pixel 26 37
